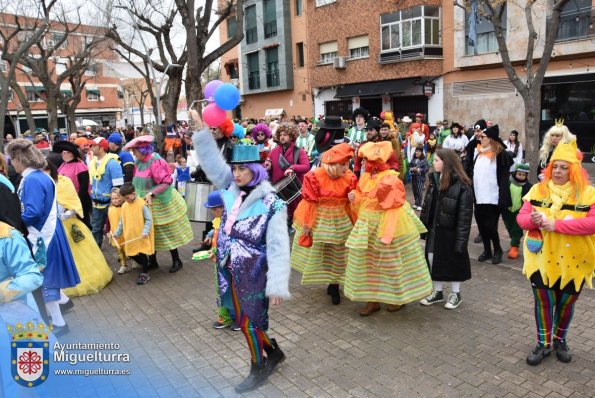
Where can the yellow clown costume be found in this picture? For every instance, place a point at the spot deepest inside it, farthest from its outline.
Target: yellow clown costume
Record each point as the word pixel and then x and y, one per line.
pixel 559 248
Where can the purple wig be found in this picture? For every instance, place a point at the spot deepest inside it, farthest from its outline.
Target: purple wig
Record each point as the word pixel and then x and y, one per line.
pixel 261 127
pixel 145 150
pixel 259 173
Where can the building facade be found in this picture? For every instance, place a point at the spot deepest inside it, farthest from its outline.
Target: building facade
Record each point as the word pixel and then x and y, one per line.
pixel 269 65
pixel 379 55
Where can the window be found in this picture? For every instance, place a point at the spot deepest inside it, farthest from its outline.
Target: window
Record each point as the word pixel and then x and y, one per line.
pixel 328 52
pixel 571 100
pixel 486 37
pixel 270 18
pixel 60 67
pixel 251 30
pixel 92 94
pixel 410 28
pixel 272 57
pixel 3 66
pixel 358 47
pixel 320 3
pixel 35 93
pixel 298 8
pixel 91 70
pixel 341 108
pixel 253 71
pixel 300 55
pixel 575 20
pixel 232 26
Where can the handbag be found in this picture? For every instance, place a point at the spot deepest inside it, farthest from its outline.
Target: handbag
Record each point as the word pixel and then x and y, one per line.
pixel 305 240
pixel 534 240
pixel 76 233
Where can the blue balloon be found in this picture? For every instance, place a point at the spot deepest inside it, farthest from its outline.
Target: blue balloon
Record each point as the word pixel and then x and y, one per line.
pixel 227 96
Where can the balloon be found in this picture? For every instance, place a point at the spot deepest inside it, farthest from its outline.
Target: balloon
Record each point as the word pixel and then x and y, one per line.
pixel 382 115
pixel 213 115
pixel 210 89
pixel 227 96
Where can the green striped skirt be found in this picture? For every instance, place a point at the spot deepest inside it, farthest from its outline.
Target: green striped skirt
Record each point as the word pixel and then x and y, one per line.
pixel 396 273
pixel 324 261
pixel 170 222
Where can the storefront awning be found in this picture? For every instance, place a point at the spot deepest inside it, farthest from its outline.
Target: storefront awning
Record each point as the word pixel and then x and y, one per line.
pixel 274 112
pixel 384 87
pixel 92 91
pixel 66 92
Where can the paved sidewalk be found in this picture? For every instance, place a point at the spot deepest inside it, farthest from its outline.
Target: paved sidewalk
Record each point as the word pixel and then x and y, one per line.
pixel 476 350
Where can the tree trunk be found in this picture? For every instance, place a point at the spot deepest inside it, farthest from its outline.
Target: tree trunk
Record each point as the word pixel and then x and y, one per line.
pixel 71 115
pixel 172 96
pixel 532 119
pixel 141 108
pixel 25 105
pixel 52 109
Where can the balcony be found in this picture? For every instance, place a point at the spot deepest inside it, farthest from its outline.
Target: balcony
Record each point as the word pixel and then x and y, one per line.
pixel 251 35
pixel 390 57
pixel 270 29
pixel 273 78
pixel 575 25
pixel 254 80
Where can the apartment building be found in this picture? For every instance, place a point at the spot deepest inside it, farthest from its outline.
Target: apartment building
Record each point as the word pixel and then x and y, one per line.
pixel 379 55
pixel 476 85
pixel 103 95
pixel 270 64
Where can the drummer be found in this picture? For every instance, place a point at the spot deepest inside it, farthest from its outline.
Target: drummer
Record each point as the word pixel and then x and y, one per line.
pixel 287 159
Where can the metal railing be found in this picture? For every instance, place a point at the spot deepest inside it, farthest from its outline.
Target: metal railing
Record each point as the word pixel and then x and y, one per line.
pixel 576 24
pixel 254 80
pixel 273 78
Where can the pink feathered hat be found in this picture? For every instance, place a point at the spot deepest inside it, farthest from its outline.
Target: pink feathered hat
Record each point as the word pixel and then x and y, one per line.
pixel 143 140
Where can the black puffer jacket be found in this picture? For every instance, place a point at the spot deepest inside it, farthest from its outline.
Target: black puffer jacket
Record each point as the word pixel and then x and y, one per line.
pixel 447 216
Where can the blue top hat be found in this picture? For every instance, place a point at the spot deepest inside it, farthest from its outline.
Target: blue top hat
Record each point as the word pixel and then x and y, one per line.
pixel 245 154
pixel 214 200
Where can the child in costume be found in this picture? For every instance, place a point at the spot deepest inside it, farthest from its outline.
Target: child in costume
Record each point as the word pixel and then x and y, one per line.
pixel 215 204
pixel 519 187
pixel 418 168
pixel 324 220
pixel 181 175
pixel 252 246
pixel 114 214
pixel 559 249
pixel 136 225
pixel 385 261
pixel 431 147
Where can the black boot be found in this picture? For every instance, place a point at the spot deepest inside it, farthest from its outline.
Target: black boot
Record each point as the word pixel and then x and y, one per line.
pixel 485 256
pixel 333 291
pixel 497 259
pixel 176 262
pixel 274 356
pixel 153 261
pixel 258 375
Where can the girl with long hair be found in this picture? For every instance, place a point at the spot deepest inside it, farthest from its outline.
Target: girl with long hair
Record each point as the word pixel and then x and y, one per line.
pixel 447 214
pixel 557 134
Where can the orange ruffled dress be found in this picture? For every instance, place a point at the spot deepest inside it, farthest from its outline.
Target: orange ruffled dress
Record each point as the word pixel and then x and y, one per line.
pixel 385 262
pixel 326 210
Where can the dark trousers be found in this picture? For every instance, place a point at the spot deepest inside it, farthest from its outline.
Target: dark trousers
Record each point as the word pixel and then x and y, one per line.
pixel 143 260
pixel 418 182
pixel 487 217
pixel 515 232
pixel 98 223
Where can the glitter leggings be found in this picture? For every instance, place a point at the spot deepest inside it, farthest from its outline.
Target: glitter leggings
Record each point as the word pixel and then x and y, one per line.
pixel 256 338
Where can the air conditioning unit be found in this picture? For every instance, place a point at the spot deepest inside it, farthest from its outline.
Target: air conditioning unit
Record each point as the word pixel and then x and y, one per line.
pixel 339 63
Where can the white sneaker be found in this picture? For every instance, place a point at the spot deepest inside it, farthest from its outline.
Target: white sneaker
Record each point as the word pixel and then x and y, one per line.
pixel 419 208
pixel 123 269
pixel 453 301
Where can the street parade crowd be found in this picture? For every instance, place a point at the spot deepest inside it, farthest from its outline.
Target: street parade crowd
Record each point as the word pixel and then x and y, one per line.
pixel 323 197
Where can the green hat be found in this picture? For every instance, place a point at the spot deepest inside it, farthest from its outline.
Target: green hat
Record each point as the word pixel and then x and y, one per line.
pixel 522 167
pixel 245 154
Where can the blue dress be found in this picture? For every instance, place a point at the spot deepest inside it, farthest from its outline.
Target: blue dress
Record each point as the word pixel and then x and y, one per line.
pixel 46 233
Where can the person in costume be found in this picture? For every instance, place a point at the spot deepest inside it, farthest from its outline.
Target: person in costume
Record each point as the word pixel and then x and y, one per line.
pixel 491 167
pixel 330 132
pixel 126 161
pixel 181 175
pixel 306 141
pixel 357 133
pixel 323 221
pixel 172 145
pixel 114 215
pixel 431 145
pixel 419 168
pixel 456 140
pixel 136 226
pixel 252 247
pixel 225 317
pixel 10 211
pixel 75 168
pixel 47 238
pixel 423 127
pixel 515 148
pixel 559 249
pixel 392 135
pixel 106 173
pixel 519 186
pixel 444 133
pixel 557 134
pixel 91 266
pixel 385 262
pixel 447 214
pixel 416 138
pixel 261 134
pixel 373 129
pixel 152 182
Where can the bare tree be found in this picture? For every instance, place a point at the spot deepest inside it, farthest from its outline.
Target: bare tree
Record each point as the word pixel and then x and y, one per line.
pixel 528 84
pixel 138 91
pixel 18 35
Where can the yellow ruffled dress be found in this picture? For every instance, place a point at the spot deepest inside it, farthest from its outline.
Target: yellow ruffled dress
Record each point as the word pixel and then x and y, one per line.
pixel 93 270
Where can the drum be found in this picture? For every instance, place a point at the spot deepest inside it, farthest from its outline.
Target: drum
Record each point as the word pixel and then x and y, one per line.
pixel 196 196
pixel 289 188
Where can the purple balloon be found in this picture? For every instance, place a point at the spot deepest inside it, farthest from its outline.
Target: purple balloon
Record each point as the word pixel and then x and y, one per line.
pixel 210 89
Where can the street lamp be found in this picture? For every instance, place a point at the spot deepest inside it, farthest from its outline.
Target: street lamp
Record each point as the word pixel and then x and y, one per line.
pixel 159 91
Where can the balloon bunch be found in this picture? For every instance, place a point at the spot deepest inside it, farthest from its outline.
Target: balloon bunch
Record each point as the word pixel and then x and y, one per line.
pixel 222 97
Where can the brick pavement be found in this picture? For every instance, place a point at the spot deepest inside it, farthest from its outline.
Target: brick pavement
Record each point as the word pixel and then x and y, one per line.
pixel 476 350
